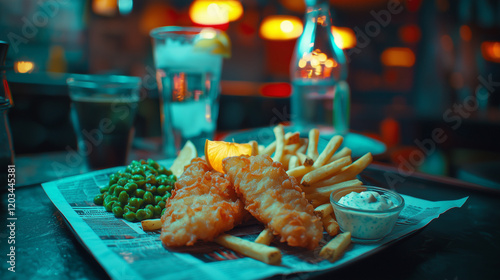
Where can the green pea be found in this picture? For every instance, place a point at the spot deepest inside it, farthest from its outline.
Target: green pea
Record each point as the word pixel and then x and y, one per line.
pixel 166 196
pixel 110 198
pixel 163 211
pixel 118 211
pixel 130 187
pixel 139 193
pixel 138 171
pixel 123 197
pixel 151 189
pixel 148 198
pixel 168 188
pixel 112 188
pixel 157 200
pixel 161 204
pixel 118 190
pixel 151 178
pixel 113 178
pixel 129 207
pixel 109 205
pixel 140 214
pixel 150 207
pixel 172 177
pixel 122 181
pixel 149 213
pixel 153 164
pixel 98 199
pixel 135 163
pixel 157 211
pixel 104 189
pixel 139 180
pixel 130 216
pixel 161 190
pixel 124 175
pixel 136 202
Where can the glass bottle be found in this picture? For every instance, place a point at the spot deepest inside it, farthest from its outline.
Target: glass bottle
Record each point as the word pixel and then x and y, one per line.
pixel 317 66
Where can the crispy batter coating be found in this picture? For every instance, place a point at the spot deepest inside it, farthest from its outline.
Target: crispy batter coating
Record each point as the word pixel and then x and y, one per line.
pixel 275 199
pixel 203 205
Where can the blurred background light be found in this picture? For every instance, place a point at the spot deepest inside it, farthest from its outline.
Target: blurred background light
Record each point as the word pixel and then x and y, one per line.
pixel 215 12
pixel 125 6
pixel 410 33
pixel 401 57
pixel 491 51
pixel 281 27
pixel 105 7
pixel 24 66
pixel 465 33
pixel 344 37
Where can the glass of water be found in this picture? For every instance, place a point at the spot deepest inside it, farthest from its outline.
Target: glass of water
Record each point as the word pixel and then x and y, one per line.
pixel 188 64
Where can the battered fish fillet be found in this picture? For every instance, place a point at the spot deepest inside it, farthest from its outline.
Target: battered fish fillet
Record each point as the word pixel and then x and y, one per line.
pixel 275 199
pixel 203 205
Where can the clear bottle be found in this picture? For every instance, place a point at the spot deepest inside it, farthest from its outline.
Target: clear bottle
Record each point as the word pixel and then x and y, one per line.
pixel 317 65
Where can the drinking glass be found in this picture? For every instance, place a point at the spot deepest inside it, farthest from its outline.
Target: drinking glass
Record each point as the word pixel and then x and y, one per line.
pixel 188 70
pixel 103 110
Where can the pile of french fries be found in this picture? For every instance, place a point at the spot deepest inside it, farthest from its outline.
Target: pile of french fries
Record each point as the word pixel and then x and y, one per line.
pixel 319 175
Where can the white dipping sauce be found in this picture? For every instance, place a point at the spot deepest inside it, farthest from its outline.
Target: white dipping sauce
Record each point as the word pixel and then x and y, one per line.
pixel 365 225
pixel 368 200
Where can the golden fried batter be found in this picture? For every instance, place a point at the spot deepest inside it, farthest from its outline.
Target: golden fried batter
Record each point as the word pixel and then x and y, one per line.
pixel 203 205
pixel 275 199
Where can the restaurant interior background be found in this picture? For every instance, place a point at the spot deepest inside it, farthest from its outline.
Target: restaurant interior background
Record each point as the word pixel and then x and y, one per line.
pixel 414 66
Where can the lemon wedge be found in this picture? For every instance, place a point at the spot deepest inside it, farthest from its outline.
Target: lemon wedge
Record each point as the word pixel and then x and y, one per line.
pixel 214 42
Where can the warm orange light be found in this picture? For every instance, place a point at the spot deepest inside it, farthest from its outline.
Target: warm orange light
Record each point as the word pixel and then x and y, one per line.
pixel 24 66
pixel 402 57
pixel 410 33
pixel 491 51
pixel 215 12
pixel 344 37
pixel 105 7
pixel 280 27
pixel 446 43
pixel 465 33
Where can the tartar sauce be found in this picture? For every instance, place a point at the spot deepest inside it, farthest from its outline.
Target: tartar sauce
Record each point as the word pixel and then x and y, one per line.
pixel 367 200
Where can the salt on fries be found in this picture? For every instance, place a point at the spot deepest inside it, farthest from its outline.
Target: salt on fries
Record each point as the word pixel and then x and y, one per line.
pixel 261 252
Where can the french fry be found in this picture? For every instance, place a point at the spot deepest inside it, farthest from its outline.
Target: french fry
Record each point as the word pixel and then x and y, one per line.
pixel 261 149
pixel 279 133
pixel 325 171
pixel 319 196
pixel 304 160
pixel 285 160
pixel 347 173
pixel 293 162
pixel 255 147
pixel 323 210
pixel 331 226
pixel 292 148
pixel 312 147
pixel 292 138
pixel 299 171
pixel 265 237
pixel 261 252
pixel 303 145
pixel 336 247
pixel 344 152
pixel 325 191
pixel 329 150
pixel 152 224
pixel 269 149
